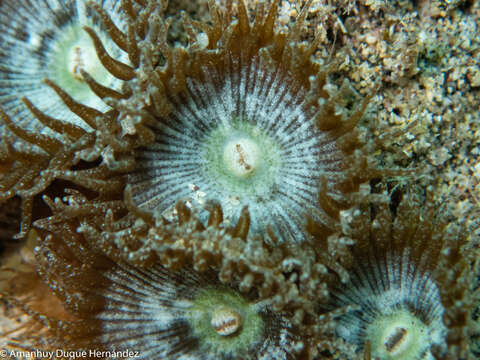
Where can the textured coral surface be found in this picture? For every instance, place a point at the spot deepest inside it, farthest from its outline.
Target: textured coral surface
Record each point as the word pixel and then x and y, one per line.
pixel 239 179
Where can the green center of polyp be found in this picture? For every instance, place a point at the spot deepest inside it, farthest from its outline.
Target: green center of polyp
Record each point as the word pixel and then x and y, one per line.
pixel 242 160
pixel 224 323
pixel 225 320
pixel 399 336
pixel 74 51
pixel 78 61
pixel 241 157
